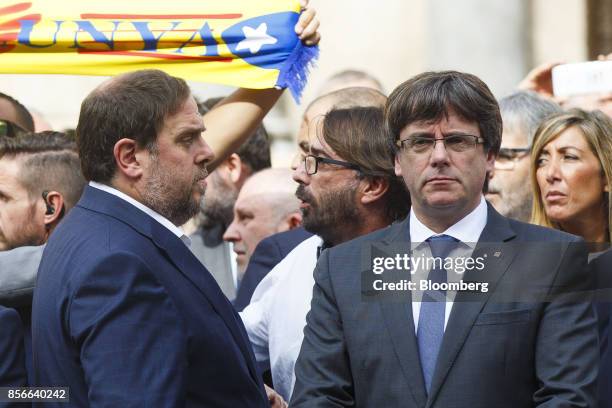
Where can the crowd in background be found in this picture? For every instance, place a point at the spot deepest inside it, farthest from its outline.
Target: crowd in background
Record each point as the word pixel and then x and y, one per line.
pixel 260 231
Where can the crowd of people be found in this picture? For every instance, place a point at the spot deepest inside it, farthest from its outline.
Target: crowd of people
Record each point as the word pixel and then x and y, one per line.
pixel 156 259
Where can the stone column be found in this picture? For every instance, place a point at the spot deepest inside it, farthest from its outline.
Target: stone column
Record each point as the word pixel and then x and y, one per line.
pixel 489 38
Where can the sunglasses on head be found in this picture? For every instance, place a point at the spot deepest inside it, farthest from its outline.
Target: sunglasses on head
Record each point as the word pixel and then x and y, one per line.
pixel 10 129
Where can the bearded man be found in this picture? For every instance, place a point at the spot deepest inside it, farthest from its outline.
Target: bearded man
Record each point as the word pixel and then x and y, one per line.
pixel 124 314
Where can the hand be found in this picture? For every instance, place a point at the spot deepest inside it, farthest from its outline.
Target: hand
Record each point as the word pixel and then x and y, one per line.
pixel 276 401
pixel 307 25
pixel 539 80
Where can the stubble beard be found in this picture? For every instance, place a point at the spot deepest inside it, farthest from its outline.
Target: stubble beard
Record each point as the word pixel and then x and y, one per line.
pixel 171 199
pixel 218 209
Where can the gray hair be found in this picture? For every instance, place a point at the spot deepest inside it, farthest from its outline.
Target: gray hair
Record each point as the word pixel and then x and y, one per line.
pixel 524 111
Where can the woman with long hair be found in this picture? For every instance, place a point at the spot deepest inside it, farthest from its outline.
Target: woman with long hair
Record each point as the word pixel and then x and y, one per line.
pixel 571 172
pixel 571 165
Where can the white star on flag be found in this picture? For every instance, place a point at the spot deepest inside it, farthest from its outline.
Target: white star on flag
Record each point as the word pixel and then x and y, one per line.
pixel 255 38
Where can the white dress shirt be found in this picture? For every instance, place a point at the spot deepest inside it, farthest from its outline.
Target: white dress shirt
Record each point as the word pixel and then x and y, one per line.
pixel 156 216
pixel 467 231
pixel 276 317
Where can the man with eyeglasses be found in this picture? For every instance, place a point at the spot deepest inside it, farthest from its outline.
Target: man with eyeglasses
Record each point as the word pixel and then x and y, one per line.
pixel 345 191
pixel 15 119
pixel 510 185
pixel 273 249
pixel 507 346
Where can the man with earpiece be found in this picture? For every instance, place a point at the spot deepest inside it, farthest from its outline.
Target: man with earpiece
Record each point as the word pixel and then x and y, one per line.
pixel 40 180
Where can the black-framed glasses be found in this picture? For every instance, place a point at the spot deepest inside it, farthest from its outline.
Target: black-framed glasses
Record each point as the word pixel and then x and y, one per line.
pixel 424 144
pixel 10 129
pixel 508 157
pixel 311 164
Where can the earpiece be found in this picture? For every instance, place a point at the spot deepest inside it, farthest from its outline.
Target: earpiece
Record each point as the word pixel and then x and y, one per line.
pixel 50 207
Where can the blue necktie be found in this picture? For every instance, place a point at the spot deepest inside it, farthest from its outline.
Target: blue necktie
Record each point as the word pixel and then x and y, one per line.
pixel 431 316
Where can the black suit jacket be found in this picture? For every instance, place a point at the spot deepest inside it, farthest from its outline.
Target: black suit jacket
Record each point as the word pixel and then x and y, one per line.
pixel 526 342
pixel 269 252
pixel 602 270
pixel 12 358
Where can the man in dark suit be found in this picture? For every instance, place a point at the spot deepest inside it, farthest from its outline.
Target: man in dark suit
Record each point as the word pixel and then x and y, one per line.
pixel 12 363
pixel 520 336
pixel 124 314
pixel 40 178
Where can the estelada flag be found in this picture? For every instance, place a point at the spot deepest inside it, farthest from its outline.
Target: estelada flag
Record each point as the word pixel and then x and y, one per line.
pixel 243 43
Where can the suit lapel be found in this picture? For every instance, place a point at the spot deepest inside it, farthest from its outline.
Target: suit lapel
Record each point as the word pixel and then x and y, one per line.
pixel 189 266
pixel 176 251
pixel 398 318
pixel 400 325
pixel 467 306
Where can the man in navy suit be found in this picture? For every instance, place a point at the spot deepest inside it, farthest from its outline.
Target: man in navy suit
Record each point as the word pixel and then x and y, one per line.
pixel 124 314
pixel 520 335
pixel 12 362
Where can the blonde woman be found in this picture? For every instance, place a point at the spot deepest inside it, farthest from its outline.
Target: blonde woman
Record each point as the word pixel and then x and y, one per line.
pixel 571 163
pixel 571 174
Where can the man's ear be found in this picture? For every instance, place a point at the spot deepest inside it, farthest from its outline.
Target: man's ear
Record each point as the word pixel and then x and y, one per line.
pixel 130 158
pixel 398 167
pixel 54 209
pixel 291 221
pixel 490 162
pixel 373 188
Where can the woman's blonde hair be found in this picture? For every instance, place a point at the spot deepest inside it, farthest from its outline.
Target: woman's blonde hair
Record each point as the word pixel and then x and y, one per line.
pixel 596 127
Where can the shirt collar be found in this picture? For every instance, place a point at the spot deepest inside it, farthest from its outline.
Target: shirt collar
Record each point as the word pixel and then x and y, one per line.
pixel 156 216
pixel 466 230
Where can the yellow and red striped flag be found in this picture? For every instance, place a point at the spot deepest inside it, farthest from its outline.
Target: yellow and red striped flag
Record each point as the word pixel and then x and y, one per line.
pixel 243 43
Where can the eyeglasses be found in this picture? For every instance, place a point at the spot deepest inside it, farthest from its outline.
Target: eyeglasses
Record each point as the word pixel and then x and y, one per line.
pixel 311 164
pixel 10 129
pixel 424 144
pixel 508 157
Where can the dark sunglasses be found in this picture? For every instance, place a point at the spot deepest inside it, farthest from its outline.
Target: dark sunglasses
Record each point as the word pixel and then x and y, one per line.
pixel 10 129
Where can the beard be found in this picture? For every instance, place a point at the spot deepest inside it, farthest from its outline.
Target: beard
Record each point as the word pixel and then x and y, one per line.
pixel 331 213
pixel 217 208
pixel 29 232
pixel 171 198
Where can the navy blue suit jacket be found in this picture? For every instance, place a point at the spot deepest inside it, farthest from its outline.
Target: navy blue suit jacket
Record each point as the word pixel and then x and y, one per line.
pixel 12 358
pixel 126 316
pixel 269 252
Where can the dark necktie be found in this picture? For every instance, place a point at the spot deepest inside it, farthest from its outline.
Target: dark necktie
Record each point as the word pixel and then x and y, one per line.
pixel 431 316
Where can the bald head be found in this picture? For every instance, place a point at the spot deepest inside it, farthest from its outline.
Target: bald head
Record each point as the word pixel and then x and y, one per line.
pixel 266 205
pixel 348 98
pixel 269 182
pixel 350 78
pixel 341 99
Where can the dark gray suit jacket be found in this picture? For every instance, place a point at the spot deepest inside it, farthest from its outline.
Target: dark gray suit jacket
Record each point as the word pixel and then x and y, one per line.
pixel 215 255
pixel 18 268
pixel 526 342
